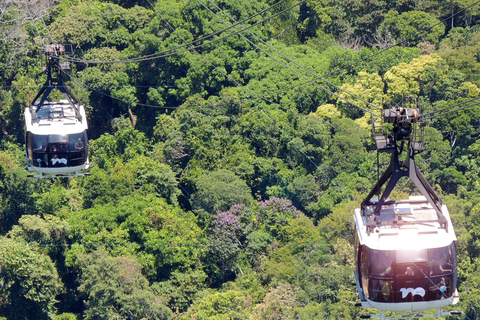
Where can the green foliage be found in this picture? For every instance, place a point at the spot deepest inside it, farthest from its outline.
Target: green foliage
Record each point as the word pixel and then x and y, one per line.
pixel 230 304
pixel 59 199
pixel 181 288
pixel 461 51
pixel 124 240
pixel 66 316
pixel 113 287
pixel 472 294
pixel 37 231
pixel 412 27
pixel 405 79
pixel 165 237
pixel 31 282
pixel 279 302
pixel 99 24
pixel 368 87
pixel 220 190
pixel 17 191
pixel 124 145
pixel 107 187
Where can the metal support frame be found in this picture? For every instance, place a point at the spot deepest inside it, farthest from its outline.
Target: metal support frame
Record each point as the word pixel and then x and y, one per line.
pixel 54 83
pixel 420 315
pixel 74 174
pixel 397 170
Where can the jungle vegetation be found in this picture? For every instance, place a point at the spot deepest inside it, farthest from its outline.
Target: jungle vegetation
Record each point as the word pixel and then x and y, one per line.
pixel 224 177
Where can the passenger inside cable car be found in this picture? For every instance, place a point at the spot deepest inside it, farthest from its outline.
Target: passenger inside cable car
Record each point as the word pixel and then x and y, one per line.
pixel 407 276
pixel 51 151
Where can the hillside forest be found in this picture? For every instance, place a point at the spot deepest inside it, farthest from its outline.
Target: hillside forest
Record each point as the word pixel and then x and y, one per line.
pixel 229 143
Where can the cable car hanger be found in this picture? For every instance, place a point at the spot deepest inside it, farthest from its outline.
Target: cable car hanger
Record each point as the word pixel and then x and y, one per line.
pixel 56 131
pixel 405 257
pixel 54 70
pixel 407 122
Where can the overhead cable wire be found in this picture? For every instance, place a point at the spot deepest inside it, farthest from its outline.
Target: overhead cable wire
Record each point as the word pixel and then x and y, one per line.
pixel 44 24
pixel 260 109
pixel 400 42
pixel 430 115
pixel 451 111
pixel 278 91
pixel 293 61
pixel 165 53
pixel 392 46
pixel 371 56
pixel 51 39
pixel 256 96
pixel 207 106
pixel 449 107
pixel 452 131
pixel 38 32
pixel 85 86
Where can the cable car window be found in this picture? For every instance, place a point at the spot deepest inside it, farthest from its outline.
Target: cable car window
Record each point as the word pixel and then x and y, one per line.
pixel 37 150
pixel 58 138
pixel 381 291
pixel 441 287
pixel 39 143
pixel 59 160
pixel 440 261
pixel 57 143
pixel 364 259
pixel 411 256
pixel 381 263
pixel 77 141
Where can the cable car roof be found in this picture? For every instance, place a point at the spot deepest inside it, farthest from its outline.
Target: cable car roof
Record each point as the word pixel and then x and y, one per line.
pixel 55 118
pixel 404 225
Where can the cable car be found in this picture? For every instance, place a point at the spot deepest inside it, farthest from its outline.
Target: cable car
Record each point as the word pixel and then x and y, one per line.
pixel 405 252
pixel 56 132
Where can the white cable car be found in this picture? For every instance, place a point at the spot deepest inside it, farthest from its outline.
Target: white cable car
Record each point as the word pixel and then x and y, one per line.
pixel 56 132
pixel 404 249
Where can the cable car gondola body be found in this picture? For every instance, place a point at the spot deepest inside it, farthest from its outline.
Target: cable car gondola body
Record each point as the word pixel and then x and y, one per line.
pixel 57 143
pixel 404 266
pixel 404 249
pixel 56 132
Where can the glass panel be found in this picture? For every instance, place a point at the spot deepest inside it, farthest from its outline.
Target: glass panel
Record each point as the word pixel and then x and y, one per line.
pixel 412 290
pixel 410 270
pixel 77 141
pixel 29 148
pixel 58 160
pixel 77 158
pixel 40 160
pixel 440 261
pixel 57 144
pixel 380 290
pixel 58 138
pixel 364 254
pixel 381 263
pixel 441 288
pixel 411 256
pixel 39 143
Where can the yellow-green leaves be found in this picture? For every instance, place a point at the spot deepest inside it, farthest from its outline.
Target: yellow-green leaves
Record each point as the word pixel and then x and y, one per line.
pixel 368 87
pixel 407 78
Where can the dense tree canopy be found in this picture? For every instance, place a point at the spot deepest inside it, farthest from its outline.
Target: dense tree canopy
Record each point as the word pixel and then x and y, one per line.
pixel 226 161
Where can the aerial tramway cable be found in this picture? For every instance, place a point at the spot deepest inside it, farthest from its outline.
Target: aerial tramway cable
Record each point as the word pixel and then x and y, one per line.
pixel 215 105
pixel 165 53
pixel 260 109
pixel 297 64
pixel 431 115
